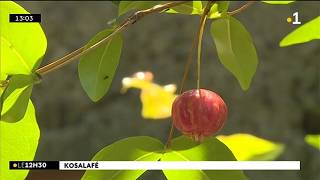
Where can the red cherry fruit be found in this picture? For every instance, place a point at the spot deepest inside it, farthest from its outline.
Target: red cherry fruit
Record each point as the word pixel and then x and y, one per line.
pixel 199 113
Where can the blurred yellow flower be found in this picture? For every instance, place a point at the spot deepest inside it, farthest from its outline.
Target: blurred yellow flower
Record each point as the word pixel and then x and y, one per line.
pixel 156 99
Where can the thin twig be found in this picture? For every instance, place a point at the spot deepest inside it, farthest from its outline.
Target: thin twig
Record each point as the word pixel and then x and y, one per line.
pixel 82 51
pixel 168 144
pixel 187 66
pixel 197 41
pixel 245 6
pixel 59 63
pixel 200 34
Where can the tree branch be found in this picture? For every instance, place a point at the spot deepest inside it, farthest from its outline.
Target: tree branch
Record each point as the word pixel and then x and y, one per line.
pixel 82 51
pixel 245 6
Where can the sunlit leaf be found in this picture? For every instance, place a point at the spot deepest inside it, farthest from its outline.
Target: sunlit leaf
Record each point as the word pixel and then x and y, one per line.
pixel 192 7
pixel 22 44
pixel 235 49
pixel 277 2
pixel 1 91
pixel 197 7
pixel 97 68
pixel 184 149
pixel 18 142
pixel 156 100
pixel 305 33
pixel 247 147
pixel 313 140
pixel 18 81
pixel 17 108
pixel 16 96
pixel 140 148
pixel 219 9
pixel 125 6
pixel 2 76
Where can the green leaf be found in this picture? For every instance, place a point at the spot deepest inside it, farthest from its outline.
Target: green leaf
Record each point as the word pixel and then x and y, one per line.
pixel 305 33
pixel 18 107
pixel 97 68
pixel 125 6
pixel 19 81
pixel 192 7
pixel 197 7
pixel 247 147
pixel 22 44
pixel 19 142
pixel 16 96
pixel 235 49
pixel 313 140
pixel 1 91
pixel 219 9
pixel 223 6
pixel 184 149
pixel 2 76
pixel 277 2
pixel 140 148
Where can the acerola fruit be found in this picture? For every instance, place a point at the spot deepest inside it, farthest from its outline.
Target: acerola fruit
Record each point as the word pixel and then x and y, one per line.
pixel 199 113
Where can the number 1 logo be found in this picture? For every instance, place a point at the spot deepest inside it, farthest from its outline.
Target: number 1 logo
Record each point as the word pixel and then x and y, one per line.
pixel 296 18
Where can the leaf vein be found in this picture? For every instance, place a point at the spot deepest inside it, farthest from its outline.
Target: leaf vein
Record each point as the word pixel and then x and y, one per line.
pixel 16 52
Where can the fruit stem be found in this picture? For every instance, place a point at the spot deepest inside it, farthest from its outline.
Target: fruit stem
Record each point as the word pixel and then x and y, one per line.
pixel 197 40
pixel 200 34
